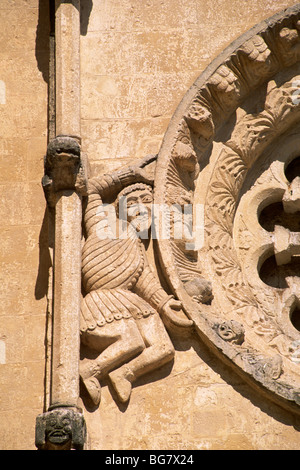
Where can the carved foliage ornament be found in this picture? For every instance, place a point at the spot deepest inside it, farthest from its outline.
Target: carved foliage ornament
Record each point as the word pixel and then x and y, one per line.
pixel 232 151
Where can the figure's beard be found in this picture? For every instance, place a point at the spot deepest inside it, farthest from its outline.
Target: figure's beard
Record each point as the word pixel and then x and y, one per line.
pixel 141 225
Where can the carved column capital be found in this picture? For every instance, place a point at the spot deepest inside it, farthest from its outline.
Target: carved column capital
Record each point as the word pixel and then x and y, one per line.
pixel 64 168
pixel 61 428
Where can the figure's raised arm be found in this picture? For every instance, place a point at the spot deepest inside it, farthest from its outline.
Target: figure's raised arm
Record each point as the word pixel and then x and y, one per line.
pixel 106 187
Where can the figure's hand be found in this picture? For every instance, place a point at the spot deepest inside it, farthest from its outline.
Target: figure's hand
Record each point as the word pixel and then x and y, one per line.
pixel 173 314
pixel 140 173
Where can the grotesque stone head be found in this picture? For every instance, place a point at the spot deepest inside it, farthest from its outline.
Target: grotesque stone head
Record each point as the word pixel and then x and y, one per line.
pixel 60 429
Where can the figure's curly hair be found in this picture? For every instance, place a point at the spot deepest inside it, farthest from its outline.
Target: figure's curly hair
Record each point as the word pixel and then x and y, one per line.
pixel 133 187
pixel 129 189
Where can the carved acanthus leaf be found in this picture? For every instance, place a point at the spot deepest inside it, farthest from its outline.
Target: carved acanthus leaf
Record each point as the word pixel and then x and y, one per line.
pixel 226 182
pixel 255 131
pixel 199 119
pixel 224 87
pixel 255 318
pixel 288 43
pixel 256 49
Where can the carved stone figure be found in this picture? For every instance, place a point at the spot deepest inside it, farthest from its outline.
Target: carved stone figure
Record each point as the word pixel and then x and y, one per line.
pixel 124 307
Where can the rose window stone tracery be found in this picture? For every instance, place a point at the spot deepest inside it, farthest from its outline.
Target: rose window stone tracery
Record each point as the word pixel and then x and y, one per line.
pixel 282 220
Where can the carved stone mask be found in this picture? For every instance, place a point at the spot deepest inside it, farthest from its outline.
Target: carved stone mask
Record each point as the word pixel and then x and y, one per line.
pixel 59 428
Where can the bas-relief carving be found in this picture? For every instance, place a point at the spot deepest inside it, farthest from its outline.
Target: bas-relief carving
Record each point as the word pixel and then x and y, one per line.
pixel 124 307
pixel 232 145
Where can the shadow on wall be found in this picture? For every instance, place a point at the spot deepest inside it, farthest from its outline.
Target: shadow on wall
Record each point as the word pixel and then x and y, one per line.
pixel 46 29
pixel 43 30
pixel 86 7
pixel 42 54
pixel 45 261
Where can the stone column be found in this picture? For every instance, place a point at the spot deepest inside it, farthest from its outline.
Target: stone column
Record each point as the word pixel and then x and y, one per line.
pixel 67 65
pixel 64 183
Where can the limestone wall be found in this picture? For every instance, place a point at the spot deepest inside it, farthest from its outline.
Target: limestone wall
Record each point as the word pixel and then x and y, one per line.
pixel 137 65
pixel 23 255
pixel 138 58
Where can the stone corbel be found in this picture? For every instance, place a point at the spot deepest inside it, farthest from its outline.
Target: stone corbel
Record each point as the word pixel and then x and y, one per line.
pixel 64 169
pixel 61 428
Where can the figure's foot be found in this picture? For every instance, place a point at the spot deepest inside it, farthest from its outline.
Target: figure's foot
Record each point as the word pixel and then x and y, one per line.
pixel 93 388
pixel 121 384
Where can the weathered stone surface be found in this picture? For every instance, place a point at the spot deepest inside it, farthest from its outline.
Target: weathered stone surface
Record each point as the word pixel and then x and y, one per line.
pixel 135 67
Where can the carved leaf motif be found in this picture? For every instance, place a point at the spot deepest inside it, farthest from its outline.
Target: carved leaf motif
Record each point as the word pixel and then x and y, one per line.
pixel 256 49
pixel 280 101
pixel 286 347
pixel 232 163
pixel 224 80
pixel 265 301
pixel 255 132
pixel 226 262
pixel 256 320
pixel 250 135
pixel 264 327
pixel 219 227
pixel 224 87
pixel 242 296
pixel 226 183
pixel 224 195
pixel 250 313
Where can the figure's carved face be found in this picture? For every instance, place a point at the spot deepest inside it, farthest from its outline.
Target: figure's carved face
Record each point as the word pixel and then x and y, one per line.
pixel 138 210
pixel 231 331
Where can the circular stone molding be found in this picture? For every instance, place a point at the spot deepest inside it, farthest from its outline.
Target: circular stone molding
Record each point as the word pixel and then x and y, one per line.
pixel 224 154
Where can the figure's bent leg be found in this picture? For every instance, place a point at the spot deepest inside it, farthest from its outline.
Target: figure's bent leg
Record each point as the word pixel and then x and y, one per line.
pixel 160 350
pixel 119 342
